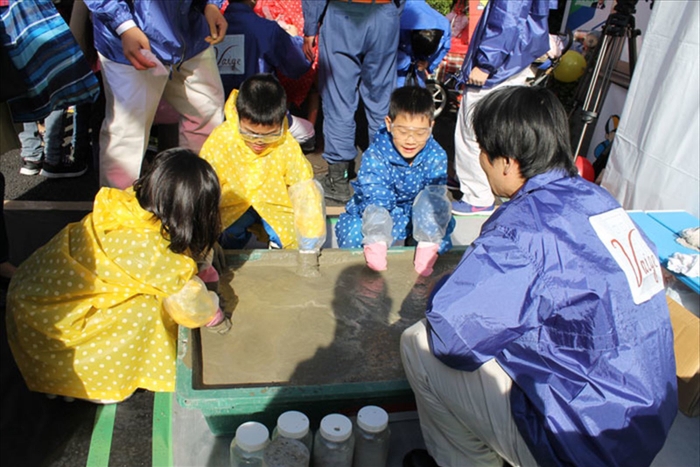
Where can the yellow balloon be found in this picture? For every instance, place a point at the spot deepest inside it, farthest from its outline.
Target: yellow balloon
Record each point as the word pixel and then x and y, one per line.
pixel 570 68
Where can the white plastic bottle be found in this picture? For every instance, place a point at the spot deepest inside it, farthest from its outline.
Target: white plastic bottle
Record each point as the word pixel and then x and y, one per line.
pixel 286 452
pixel 294 425
pixel 371 437
pixel 334 442
pixel 249 444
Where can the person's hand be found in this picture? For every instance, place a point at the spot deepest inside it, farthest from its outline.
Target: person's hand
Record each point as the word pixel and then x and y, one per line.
pixel 477 77
pixel 309 42
pixel 375 256
pixel 422 65
pixel 217 24
pixel 133 40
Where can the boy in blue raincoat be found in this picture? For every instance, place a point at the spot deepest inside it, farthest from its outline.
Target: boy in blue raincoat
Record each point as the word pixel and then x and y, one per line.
pixel 400 191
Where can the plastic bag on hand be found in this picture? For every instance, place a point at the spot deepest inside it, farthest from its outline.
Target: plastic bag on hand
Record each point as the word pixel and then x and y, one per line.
pixel 377 225
pixel 193 306
pixel 309 214
pixel 431 214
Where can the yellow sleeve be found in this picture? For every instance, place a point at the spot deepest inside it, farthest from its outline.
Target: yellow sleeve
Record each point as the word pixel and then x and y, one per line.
pixel 298 166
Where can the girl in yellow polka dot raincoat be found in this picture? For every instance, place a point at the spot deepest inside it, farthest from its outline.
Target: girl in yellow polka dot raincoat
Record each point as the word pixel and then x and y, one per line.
pixel 267 184
pixel 93 314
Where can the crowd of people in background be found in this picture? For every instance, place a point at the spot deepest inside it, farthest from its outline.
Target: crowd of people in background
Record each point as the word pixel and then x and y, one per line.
pixel 521 355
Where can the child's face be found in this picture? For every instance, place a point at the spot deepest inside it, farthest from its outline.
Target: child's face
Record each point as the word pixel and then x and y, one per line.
pixel 410 133
pixel 258 136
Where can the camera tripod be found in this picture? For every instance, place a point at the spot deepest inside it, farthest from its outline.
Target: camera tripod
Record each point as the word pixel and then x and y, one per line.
pixel 620 26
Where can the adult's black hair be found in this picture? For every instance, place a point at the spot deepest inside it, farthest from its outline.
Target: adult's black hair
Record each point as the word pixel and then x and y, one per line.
pixel 425 42
pixel 527 124
pixel 412 100
pixel 182 190
pixel 262 100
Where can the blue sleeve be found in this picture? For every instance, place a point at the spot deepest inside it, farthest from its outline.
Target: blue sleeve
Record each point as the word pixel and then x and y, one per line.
pixel 111 13
pixel 438 164
pixel 484 305
pixel 312 10
pixel 500 33
pixel 287 55
pixel 374 181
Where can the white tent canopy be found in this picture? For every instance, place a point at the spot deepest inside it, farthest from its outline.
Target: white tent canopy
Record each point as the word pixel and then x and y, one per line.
pixel 655 158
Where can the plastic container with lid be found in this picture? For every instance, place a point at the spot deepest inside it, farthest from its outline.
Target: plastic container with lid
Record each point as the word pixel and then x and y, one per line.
pixel 286 452
pixel 294 425
pixel 249 444
pixel 334 442
pixel 371 437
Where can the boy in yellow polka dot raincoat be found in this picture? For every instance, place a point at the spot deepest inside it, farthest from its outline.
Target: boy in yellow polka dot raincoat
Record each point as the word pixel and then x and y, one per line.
pixel 267 184
pixel 93 314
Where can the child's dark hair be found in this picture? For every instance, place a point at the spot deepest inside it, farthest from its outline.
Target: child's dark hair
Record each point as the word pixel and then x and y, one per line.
pixel 262 100
pixel 527 124
pixel 183 192
pixel 425 42
pixel 412 100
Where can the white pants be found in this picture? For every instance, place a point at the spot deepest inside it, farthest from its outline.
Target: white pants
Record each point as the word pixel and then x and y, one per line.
pixel 301 129
pixel 472 180
pixel 464 416
pixel 132 98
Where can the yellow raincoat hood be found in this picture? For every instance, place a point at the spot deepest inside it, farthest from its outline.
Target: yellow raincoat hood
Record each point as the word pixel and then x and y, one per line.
pixel 258 180
pixel 85 315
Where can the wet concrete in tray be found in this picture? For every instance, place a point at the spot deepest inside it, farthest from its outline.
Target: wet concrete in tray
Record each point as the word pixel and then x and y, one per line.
pixel 342 326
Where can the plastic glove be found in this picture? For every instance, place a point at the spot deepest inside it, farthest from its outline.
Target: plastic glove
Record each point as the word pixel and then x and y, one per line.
pixel 426 255
pixel 375 256
pixel 309 207
pixel 208 274
pixel 193 306
pixel 377 225
pixel 431 214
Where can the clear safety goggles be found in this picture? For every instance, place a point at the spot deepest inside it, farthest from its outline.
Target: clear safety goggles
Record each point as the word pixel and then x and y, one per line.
pixel 269 138
pixel 405 132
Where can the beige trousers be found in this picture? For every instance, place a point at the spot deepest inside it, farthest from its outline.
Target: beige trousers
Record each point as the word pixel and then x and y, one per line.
pixel 132 98
pixel 464 416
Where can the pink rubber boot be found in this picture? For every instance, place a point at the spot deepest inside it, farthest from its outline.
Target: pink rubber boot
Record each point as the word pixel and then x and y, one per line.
pixel 426 255
pixel 375 256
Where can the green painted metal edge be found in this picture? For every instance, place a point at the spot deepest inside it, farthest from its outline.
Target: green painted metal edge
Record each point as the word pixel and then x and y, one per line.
pixel 244 399
pixel 101 440
pixel 162 441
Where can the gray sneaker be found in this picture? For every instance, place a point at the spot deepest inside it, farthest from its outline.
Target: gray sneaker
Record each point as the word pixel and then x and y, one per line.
pixel 30 167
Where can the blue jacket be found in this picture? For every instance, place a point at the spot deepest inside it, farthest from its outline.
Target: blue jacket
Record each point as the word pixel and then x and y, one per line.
pixel 175 29
pixel 510 35
pixel 419 15
pixel 266 48
pixel 578 319
pixel 386 179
